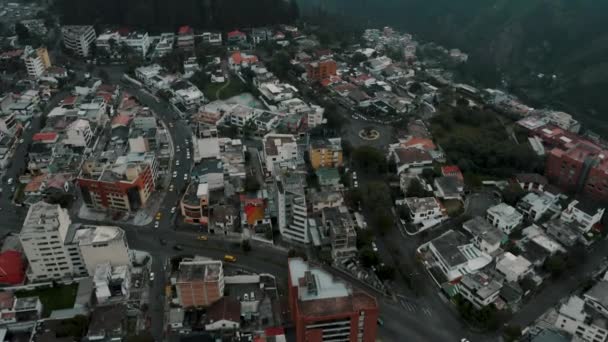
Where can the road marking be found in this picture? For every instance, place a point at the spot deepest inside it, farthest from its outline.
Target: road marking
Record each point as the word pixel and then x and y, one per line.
pixel 427 312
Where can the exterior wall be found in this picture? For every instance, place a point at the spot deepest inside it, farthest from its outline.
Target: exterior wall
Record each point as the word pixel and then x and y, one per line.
pixel 79 42
pixel 325 157
pixel 587 332
pixel 471 296
pixel 116 252
pixel 321 70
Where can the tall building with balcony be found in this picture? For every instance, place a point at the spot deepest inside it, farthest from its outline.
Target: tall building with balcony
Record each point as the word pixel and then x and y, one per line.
pixel 194 204
pixel 102 244
pixel 292 212
pixel 320 70
pixel 185 38
pixel 341 230
pixel 200 282
pixel 36 61
pixel 46 237
pixel 79 38
pixel 327 309
pixel 326 153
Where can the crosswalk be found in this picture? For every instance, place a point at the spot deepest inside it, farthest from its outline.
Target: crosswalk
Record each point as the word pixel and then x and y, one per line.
pixel 414 307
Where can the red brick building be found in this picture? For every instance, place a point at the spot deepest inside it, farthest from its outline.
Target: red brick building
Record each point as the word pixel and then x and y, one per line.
pixel 200 282
pixel 581 168
pixel 317 71
pixel 114 190
pixel 324 308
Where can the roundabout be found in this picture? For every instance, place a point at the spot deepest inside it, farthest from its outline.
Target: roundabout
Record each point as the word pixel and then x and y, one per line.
pixel 369 134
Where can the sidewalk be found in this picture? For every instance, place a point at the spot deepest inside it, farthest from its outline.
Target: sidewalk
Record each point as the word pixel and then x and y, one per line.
pixel 142 217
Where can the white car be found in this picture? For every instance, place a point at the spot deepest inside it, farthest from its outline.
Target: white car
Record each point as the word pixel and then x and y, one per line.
pixel 9 181
pixel 174 174
pixel 177 163
pixel 151 276
pixel 156 224
pixel 188 156
pixel 185 176
pixel 374 247
pixel 21 141
pixel 173 210
pixel 171 188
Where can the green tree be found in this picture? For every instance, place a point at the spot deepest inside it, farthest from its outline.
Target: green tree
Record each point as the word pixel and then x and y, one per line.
pixel 512 194
pixel 555 264
pixel 358 58
pixel 415 189
pixel 200 79
pixel 246 246
pixel 370 159
pixel 368 258
pixel 23 34
pixel 251 183
pixel 386 273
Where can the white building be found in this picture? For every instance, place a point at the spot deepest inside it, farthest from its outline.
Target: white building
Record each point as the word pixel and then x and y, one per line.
pixel 79 134
pixel 456 256
pixel 479 289
pixel 504 217
pixel 485 236
pixel 424 210
pixel 597 296
pixel 205 148
pixel 315 116
pixel 586 214
pixel 138 41
pixel 211 38
pixel 165 44
pixel 44 237
pixel 575 318
pixel 535 204
pixel 277 92
pixel 514 268
pixel 190 97
pixel 279 148
pixel 102 244
pixel 292 213
pixel 78 38
pixel 241 115
pixel 108 278
pixel 36 61
pixel 107 40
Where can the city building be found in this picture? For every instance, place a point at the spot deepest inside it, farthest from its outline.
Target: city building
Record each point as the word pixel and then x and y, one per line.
pixel 329 177
pixel 584 212
pixel 326 309
pixel 566 233
pixel 292 212
pixel 531 181
pixel 449 187
pixel 407 158
pixel 211 38
pixel 326 153
pixel 185 38
pixel 12 267
pixel 320 70
pixel 485 236
pixel 479 288
pixel 426 211
pixel 536 204
pixel 575 318
pixel 504 217
pixel 455 256
pixel 36 61
pixel 338 222
pixel 514 268
pixel 580 168
pixel 597 297
pixel 194 204
pixel 200 282
pixel 279 149
pixel 79 38
pixel 119 187
pixel 102 244
pixel 79 134
pixel 236 36
pixel 48 247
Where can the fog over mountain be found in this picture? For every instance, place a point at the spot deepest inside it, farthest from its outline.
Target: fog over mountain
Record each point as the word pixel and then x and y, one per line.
pixel 509 39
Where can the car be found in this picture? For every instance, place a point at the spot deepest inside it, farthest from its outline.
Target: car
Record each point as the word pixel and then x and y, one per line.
pixel 229 258
pixel 174 174
pixel 158 215
pixel 464 340
pixel 356 184
pixel 21 141
pixel 185 176
pixel 171 187
pixel 202 238
pixel 177 163
pixel 156 224
pixel 354 175
pixel 9 181
pixel 178 247
pixel 173 210
pixel 188 156
pixel 163 242
pixel 374 247
pixel 151 276
pixel 380 321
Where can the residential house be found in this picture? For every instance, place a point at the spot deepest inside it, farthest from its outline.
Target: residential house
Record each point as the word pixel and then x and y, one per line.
pixel 449 187
pixel 514 268
pixel 479 288
pixel 584 212
pixel 426 211
pixel 485 236
pixel 536 204
pixel 567 233
pixel 407 158
pixel 328 177
pixel 576 318
pixel 531 181
pixel 224 315
pixel 200 282
pixel 325 153
pixel 504 217
pixel 279 149
pixel 341 228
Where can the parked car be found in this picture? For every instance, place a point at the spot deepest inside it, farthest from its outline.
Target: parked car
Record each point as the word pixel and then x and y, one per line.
pixel 151 276
pixel 178 247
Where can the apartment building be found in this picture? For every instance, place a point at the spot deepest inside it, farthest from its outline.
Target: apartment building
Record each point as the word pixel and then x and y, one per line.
pixel 585 213
pixel 200 282
pixel 576 318
pixel 320 70
pixel 47 244
pixel 36 61
pixel 326 153
pixel 341 228
pixel 79 38
pixel 279 148
pixel 185 38
pixel 479 288
pixel 327 309
pixel 292 213
pixel 102 244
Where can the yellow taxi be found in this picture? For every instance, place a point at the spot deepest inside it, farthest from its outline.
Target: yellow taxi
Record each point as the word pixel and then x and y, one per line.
pixel 202 238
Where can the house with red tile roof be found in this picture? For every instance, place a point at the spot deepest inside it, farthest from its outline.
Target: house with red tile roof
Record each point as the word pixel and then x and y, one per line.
pixel 236 36
pixel 451 170
pixel 46 137
pixel 239 59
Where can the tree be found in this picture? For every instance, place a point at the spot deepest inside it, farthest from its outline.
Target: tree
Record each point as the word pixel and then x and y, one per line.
pixel 23 34
pixel 251 184
pixel 386 273
pixel 512 332
pixel 415 189
pixel 103 74
pixel 370 159
pixel 143 337
pixel 555 264
pixel 280 64
pixel 405 213
pixel 246 246
pixel 383 220
pixel 200 79
pixel 512 194
pixel 415 87
pixel 462 102
pixel 368 258
pixel 358 58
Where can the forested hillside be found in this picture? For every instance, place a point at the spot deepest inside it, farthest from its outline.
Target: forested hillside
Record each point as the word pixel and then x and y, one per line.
pixel 514 40
pixel 168 14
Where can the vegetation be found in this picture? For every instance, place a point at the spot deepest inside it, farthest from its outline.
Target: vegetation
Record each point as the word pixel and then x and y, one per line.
pixel 252 184
pixel 53 298
pixel 485 318
pixel 477 141
pixel 370 160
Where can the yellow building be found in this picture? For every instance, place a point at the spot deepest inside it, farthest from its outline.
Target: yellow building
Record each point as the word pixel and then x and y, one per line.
pixel 326 153
pixel 43 54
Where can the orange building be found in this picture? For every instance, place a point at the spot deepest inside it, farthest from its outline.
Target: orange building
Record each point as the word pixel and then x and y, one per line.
pixel 200 282
pixel 326 153
pixel 317 71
